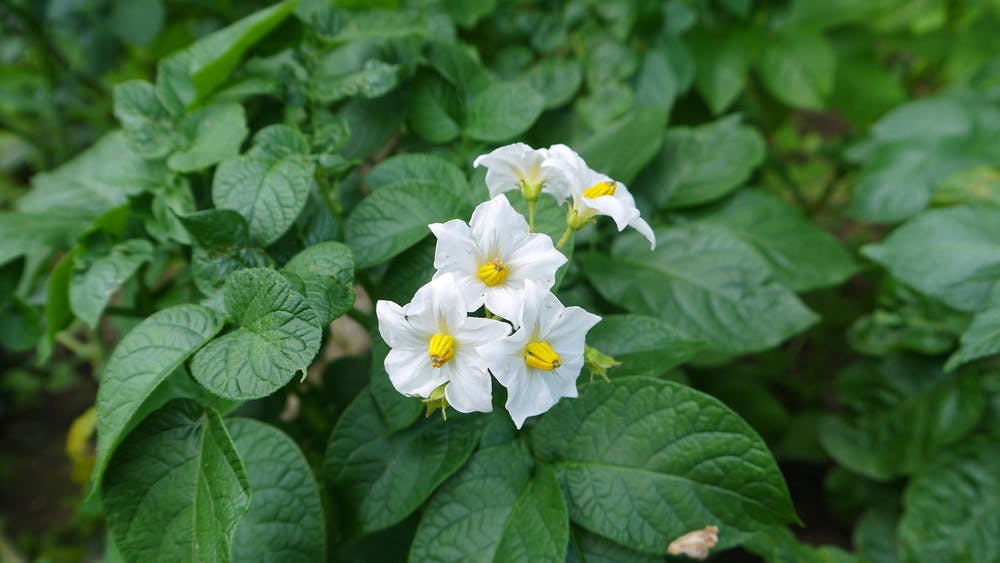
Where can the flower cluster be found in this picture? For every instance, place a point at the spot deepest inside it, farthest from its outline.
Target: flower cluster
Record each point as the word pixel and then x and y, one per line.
pixel 528 341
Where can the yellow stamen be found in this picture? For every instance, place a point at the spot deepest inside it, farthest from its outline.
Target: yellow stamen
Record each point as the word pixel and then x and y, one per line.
pixel 441 349
pixel 600 188
pixel 540 355
pixel 493 273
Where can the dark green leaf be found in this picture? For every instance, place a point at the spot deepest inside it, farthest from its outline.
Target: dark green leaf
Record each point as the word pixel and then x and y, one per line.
pixel 623 148
pixel 644 461
pixel 324 275
pixel 557 80
pixel 798 68
pixel 645 346
pixel 435 109
pixel 721 66
pixel 502 111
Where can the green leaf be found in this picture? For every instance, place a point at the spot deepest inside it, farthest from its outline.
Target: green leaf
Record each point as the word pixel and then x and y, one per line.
pixel 324 275
pixel 708 284
pixel 623 148
pixel 435 109
pixel 378 475
pixel 700 164
pixel 145 122
pixel 269 188
pixel 58 313
pixel 781 546
pixel 586 547
pixel 982 338
pixel 372 80
pixel 952 507
pixel 137 22
pixel 645 346
pixel 798 68
pixel 187 77
pixel 721 66
pixel 19 325
pixel 217 229
pixel 644 461
pixel 951 254
pixel 91 289
pixel 658 85
pixel 221 246
pixel 899 416
pixel 213 134
pixel 278 336
pixel 141 362
pixel 408 271
pixel 557 80
pixel 502 111
pixel 801 256
pixel 176 488
pixel 100 178
pixel 874 535
pixel 26 233
pixel 494 509
pixel 408 193
pixel 285 520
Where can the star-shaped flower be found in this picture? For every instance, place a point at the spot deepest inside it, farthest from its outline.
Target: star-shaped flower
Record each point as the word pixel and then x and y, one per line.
pixel 518 166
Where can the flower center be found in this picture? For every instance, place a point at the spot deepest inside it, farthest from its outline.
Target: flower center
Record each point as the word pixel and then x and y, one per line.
pixel 540 355
pixel 441 349
pixel 493 273
pixel 600 188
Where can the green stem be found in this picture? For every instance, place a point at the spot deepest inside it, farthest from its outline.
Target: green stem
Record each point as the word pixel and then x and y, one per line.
pixel 565 238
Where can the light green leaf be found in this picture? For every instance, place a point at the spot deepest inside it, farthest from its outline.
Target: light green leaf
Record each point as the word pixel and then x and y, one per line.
pixel 379 476
pixel 26 233
pixel 952 508
pixel 141 362
pixel 137 22
pixel 285 520
pixel 372 80
pixel 700 164
pixel 623 148
pixel 899 416
pixel 798 68
pixel 58 313
pixel 189 76
pixel 502 111
pixel 176 487
pixel 721 66
pixel 324 275
pixel 409 192
pixel 435 109
pixel 645 346
pixel 213 134
pixel 707 283
pixel 951 254
pixel 658 85
pixel 145 122
pixel 278 336
pixel 982 338
pixel 92 288
pixel 801 256
pixel 269 188
pixel 645 461
pixel 494 509
pixel 557 80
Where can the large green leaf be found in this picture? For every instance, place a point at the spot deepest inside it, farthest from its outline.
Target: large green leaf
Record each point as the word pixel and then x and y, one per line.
pixel 379 475
pixel 721 66
pixel 176 488
pixel 798 68
pixel 324 274
pixel 587 547
pixel 699 164
pixel 623 148
pixel 705 282
pixel 212 134
pixel 557 80
pixel 801 256
pixel 92 288
pixel 495 509
pixel 644 461
pixel 644 345
pixel 899 416
pixel 409 192
pixel 141 362
pixel 982 338
pixel 285 521
pixel 189 76
pixel 951 254
pixel 502 111
pixel 278 336
pixel 221 246
pixel 952 507
pixel 435 109
pixel 269 185
pixel 25 233
pixel 145 122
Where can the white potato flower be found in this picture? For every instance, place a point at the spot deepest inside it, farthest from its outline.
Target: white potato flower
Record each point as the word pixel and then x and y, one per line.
pixel 540 361
pixel 434 342
pixel 492 257
pixel 596 194
pixel 518 166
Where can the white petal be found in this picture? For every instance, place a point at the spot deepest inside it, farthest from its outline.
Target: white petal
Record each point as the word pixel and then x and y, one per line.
pixel 568 333
pixel 478 332
pixel 614 207
pixel 497 228
pixel 469 389
pixel 456 251
pixel 536 260
pixel 639 224
pixel 541 309
pixel 505 299
pixel 508 165
pixel 411 372
pixel 505 357
pixel 562 382
pixel 394 328
pixel 528 395
pixel 444 307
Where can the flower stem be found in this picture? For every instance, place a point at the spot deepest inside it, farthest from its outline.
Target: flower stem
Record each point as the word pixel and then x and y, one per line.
pixel 531 216
pixel 565 238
